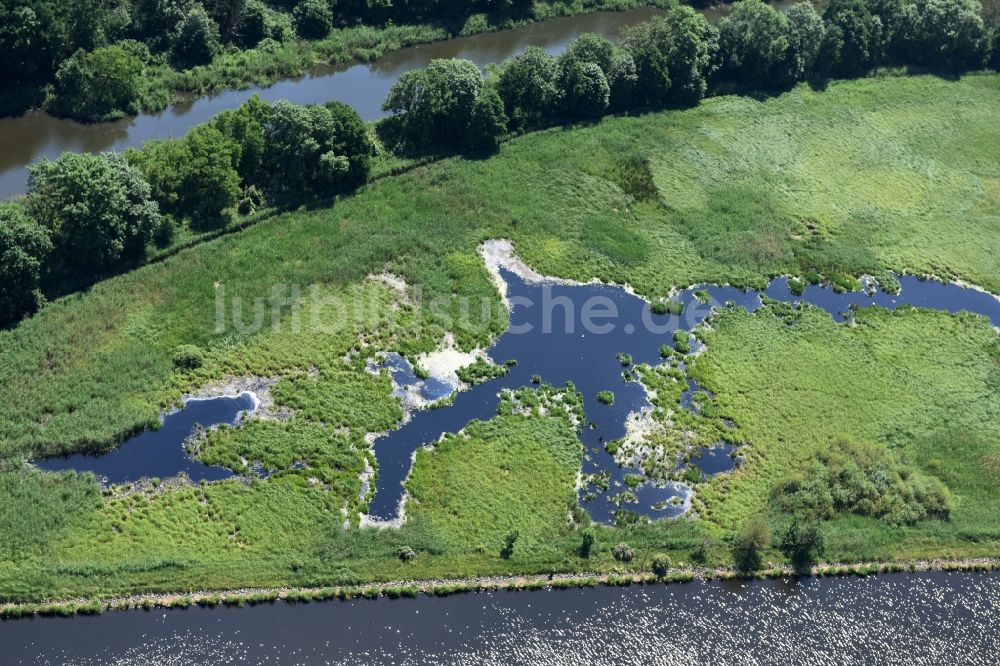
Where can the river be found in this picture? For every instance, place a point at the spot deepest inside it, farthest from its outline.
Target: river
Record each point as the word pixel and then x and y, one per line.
pixel 37 135
pixel 922 618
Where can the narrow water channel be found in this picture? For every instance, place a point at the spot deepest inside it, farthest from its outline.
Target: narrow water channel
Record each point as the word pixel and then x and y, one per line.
pixel 924 618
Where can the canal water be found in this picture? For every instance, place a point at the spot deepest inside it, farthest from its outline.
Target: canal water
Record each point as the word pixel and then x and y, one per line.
pixel 922 618
pixel 560 333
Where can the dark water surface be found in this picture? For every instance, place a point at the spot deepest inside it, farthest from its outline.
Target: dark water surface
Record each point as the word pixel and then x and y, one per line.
pixel 161 453
pixel 37 135
pixel 548 337
pixel 929 618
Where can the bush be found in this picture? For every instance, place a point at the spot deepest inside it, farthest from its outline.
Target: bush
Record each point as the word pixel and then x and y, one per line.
pixel 865 479
pixel 406 553
pixel 661 565
pixel 802 541
pixel 623 552
pixel 606 397
pixel 586 544
pixel 748 545
pixel 313 19
pixel 682 341
pixel 508 544
pixel 188 357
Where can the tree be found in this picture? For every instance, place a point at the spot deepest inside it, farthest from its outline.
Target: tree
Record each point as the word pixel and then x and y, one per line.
pixel 623 80
pixel 350 138
pixel 693 46
pixel 313 19
pixel 33 35
pixel 487 125
pixel 527 85
pixel 806 34
pixel 255 25
pixel 98 209
pixel 305 152
pixel 244 128
pixel 196 41
pixel 994 56
pixel 589 47
pixel 890 15
pixel 754 45
pixel 584 90
pixel 853 38
pixel 802 541
pixel 749 544
pixel 673 57
pixel 644 43
pixel 433 106
pixel 24 246
pixel 101 85
pixel 945 34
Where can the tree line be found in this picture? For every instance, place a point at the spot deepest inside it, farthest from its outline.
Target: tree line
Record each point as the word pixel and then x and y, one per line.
pixel 675 61
pixel 90 215
pixel 86 216
pixel 90 59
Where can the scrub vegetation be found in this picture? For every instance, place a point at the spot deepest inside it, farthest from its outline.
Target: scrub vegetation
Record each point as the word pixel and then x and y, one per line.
pixel 864 176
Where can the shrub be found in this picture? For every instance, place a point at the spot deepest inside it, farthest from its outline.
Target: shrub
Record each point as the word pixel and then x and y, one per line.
pixel 188 357
pixel 660 565
pixel 623 552
pixel 406 553
pixel 748 545
pixel 586 544
pixel 508 544
pixel 682 341
pixel 802 541
pixel 606 397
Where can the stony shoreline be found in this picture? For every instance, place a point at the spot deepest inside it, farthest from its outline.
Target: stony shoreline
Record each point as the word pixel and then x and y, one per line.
pixel 444 587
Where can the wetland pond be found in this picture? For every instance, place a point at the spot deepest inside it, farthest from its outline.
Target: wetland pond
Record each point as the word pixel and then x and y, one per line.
pixel 558 333
pixel 918 618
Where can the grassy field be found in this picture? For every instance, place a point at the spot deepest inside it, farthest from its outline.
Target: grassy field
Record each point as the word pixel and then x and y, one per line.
pixel 869 175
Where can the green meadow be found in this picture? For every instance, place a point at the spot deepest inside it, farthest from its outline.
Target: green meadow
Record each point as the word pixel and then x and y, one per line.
pixel 865 176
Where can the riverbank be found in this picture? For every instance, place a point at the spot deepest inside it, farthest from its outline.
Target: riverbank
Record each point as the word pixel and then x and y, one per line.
pixel 731 206
pixel 444 587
